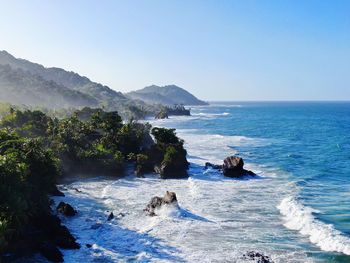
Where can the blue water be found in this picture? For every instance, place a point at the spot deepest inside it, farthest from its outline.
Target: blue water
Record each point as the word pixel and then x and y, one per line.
pixel 309 141
pixel 296 210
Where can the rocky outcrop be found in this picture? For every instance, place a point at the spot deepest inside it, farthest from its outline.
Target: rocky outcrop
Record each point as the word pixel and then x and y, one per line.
pixel 257 257
pixel 162 115
pixel 58 233
pixel 44 234
pixel 51 252
pixel 233 166
pixel 171 170
pixel 66 209
pixel 156 202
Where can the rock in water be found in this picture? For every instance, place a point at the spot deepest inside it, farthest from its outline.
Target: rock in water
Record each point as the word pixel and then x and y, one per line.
pixel 257 257
pixel 214 166
pixel 66 209
pixel 233 167
pixel 110 217
pixel 169 197
pixel 157 202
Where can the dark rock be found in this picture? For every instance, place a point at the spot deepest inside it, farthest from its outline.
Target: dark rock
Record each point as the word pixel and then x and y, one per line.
pixel 88 245
pixel 56 192
pixel 233 167
pixel 66 209
pixel 139 172
pixel 172 170
pixel 55 231
pixel 178 110
pixel 51 252
pixel 110 217
pixel 157 202
pixel 257 257
pixel 64 239
pixel 214 166
pixel 41 235
pixel 77 190
pixel 162 115
pixel 121 214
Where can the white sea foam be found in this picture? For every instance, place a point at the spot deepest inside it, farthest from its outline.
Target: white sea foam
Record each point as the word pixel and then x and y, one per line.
pixel 215 147
pixel 211 105
pixel 210 115
pixel 218 218
pixel 301 218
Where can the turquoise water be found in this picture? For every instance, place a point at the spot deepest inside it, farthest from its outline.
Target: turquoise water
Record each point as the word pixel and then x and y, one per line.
pixel 308 141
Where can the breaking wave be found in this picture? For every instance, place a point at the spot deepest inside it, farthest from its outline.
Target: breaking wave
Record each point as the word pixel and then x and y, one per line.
pixel 301 218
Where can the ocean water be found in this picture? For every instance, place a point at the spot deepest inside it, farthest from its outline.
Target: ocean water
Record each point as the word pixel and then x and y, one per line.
pixel 296 210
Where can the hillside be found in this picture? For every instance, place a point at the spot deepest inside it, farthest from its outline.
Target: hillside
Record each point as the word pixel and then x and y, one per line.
pixel 23 82
pixel 68 79
pixel 24 88
pixel 26 83
pixel 166 95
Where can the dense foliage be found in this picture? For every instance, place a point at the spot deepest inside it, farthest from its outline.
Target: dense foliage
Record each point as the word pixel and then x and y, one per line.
pixel 36 150
pixel 28 173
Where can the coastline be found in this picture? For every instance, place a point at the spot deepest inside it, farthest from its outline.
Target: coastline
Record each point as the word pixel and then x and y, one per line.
pixel 241 214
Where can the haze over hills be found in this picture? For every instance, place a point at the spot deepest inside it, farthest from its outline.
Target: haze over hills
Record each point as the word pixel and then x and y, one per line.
pixel 24 88
pixel 166 95
pixel 71 80
pixel 26 83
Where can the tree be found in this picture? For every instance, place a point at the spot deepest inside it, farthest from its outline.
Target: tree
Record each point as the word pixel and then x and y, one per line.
pixel 165 136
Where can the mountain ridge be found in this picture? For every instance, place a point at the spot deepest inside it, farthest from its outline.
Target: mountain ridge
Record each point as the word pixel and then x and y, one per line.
pixel 23 82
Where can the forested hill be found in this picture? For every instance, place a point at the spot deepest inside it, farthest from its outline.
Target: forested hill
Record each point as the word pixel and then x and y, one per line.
pixel 26 83
pixel 166 95
pixel 68 79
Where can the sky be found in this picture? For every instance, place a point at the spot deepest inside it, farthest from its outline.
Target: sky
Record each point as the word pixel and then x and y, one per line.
pixel 218 50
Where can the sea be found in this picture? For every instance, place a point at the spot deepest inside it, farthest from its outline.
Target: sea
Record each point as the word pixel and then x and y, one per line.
pixel 297 208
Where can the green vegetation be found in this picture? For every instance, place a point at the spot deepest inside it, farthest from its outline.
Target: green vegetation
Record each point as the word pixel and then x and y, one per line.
pixel 168 154
pixel 28 173
pixel 37 150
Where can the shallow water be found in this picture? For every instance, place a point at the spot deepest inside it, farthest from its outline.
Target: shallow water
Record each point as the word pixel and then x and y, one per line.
pixel 296 210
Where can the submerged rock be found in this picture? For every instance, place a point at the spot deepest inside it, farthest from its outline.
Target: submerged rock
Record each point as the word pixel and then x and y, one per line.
pixel 66 209
pixel 257 257
pixel 157 202
pixel 110 217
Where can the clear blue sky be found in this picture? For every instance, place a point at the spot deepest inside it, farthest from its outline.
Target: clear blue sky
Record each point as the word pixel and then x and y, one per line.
pixel 219 50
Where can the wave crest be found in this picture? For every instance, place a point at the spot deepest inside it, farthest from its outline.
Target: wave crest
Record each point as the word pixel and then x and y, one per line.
pixel 301 218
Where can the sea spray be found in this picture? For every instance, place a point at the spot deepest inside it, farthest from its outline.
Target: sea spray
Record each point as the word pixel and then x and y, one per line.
pixel 301 218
